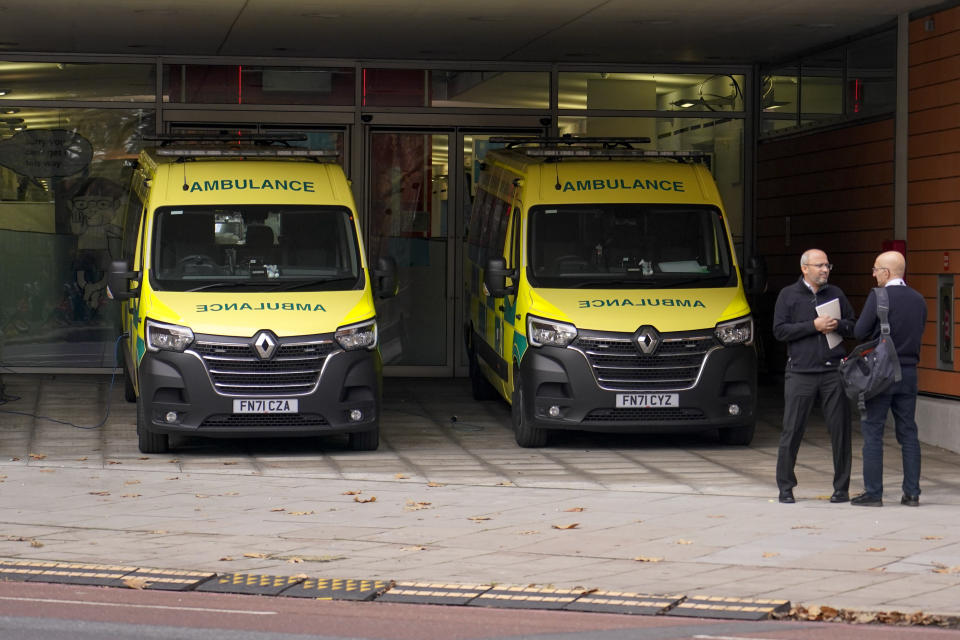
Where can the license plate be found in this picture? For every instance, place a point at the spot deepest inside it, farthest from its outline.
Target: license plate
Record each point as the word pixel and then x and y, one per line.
pixel 265 405
pixel 648 400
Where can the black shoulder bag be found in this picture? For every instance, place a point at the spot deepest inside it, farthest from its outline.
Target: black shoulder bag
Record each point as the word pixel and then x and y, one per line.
pixel 872 367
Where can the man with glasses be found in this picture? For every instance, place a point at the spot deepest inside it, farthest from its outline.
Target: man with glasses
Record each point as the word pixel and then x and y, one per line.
pixel 811 371
pixel 907 317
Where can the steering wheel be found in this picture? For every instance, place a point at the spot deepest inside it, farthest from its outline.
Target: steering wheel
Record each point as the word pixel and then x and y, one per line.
pixel 196 260
pixel 570 261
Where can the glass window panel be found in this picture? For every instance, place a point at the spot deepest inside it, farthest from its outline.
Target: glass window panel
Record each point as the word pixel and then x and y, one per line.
pixel 872 74
pixel 651 91
pixel 77 81
pixel 778 91
pixel 721 138
pixel 60 226
pixel 445 88
pixel 821 84
pixel 249 84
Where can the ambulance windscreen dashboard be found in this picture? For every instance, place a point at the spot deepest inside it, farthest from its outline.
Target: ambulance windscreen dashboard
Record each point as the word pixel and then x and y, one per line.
pixel 255 247
pixel 615 246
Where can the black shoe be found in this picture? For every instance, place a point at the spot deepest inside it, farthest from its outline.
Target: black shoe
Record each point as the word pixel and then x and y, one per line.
pixel 910 501
pixel 866 500
pixel 786 497
pixel 840 496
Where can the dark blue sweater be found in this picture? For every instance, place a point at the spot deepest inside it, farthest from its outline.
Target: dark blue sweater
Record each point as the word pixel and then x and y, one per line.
pixel 907 317
pixel 793 318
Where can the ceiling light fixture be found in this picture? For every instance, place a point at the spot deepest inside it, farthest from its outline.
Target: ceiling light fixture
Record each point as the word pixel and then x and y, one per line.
pixel 684 104
pixel 11 111
pixel 4 92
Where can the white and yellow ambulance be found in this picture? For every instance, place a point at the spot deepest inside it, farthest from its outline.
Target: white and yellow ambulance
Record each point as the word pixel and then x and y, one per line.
pixel 605 293
pixel 248 305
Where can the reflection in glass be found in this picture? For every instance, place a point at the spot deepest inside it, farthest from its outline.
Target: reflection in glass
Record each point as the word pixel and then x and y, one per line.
pixel 78 81
pixel 58 236
pixel 448 88
pixel 821 84
pixel 250 84
pixel 651 91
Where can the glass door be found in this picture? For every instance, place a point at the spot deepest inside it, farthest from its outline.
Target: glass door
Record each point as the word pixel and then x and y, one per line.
pixel 409 220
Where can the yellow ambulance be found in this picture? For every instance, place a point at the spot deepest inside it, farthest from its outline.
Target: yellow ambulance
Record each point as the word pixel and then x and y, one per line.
pixel 605 293
pixel 247 302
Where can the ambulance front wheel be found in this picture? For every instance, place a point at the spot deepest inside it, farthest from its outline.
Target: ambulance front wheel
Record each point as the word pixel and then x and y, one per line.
pixel 365 440
pixel 148 441
pixel 738 436
pixel 524 432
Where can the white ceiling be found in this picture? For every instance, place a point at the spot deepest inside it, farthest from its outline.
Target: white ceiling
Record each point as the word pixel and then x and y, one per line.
pixel 585 31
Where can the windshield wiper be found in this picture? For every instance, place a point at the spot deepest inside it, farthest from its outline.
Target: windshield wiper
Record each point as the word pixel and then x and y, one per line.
pixel 322 283
pixel 639 284
pixel 224 285
pixel 677 283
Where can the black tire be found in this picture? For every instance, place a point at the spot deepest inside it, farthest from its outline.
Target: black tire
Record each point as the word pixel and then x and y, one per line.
pixel 365 440
pixel 739 436
pixel 149 441
pixel 129 392
pixel 526 435
pixel 481 387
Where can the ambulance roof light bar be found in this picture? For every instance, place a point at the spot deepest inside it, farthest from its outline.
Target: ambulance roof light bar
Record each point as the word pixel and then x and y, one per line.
pixel 239 137
pixel 567 146
pixel 266 152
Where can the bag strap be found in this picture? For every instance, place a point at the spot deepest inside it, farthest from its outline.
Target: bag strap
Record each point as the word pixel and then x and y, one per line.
pixel 883 308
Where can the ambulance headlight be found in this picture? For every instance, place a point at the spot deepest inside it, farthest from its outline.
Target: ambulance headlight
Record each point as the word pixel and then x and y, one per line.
pixel 167 337
pixel 739 331
pixel 549 333
pixel 362 335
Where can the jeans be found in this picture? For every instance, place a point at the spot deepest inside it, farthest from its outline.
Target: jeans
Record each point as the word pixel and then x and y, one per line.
pixel 901 398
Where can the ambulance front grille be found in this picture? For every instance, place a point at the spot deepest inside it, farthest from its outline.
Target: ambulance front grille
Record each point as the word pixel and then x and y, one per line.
pixel 618 364
pixel 658 414
pixel 235 368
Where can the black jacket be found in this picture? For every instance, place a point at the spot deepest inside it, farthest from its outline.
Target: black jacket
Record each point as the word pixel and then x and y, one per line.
pixel 907 317
pixel 793 318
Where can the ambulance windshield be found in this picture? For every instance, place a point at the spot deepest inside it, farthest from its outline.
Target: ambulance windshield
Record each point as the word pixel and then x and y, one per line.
pixel 615 246
pixel 247 247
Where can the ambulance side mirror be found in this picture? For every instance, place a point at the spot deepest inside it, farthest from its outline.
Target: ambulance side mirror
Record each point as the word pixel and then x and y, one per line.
pixel 385 277
pixel 756 276
pixel 495 278
pixel 118 281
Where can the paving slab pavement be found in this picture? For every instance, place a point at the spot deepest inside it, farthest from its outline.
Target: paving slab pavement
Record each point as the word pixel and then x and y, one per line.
pixel 449 497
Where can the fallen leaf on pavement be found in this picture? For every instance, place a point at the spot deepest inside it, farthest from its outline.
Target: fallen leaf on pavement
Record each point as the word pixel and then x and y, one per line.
pixel 295 560
pixel 226 559
pixel 278 509
pixel 38 456
pixel 256 555
pixel 36 543
pixel 574 509
pixel 48 470
pixel 876 548
pixel 529 533
pixel 300 513
pixel 942 568
pixel 83 459
pixel 647 559
pixel 770 554
pixel 477 518
pixel 351 493
pixel 413 548
pixel 99 493
pixel 230 463
pixel 364 500
pixel 435 484
pixel 684 542
pixel 505 483
pixel 401 476
pixel 572 525
pixel 416 506
pixel 933 537
pixel 131 495
pixel 135 583
pixel 132 482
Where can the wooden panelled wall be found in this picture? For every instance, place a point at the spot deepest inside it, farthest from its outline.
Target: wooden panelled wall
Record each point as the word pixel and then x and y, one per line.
pixel 933 217
pixel 834 190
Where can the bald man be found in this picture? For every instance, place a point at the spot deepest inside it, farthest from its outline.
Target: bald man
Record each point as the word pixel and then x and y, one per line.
pixel 907 317
pixel 811 371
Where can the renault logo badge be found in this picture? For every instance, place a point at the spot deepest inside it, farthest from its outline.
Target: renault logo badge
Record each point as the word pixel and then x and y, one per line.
pixel 265 345
pixel 648 340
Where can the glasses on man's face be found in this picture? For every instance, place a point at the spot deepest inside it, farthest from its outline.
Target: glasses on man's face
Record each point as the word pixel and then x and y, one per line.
pixel 875 269
pixel 822 265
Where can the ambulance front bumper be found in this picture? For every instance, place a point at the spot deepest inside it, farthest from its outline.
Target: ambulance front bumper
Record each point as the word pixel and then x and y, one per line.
pixel 189 393
pixel 564 389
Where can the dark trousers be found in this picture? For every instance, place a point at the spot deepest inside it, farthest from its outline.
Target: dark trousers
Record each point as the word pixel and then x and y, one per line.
pixel 901 399
pixel 800 392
